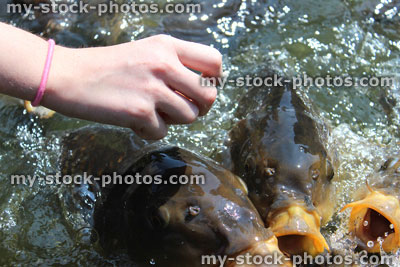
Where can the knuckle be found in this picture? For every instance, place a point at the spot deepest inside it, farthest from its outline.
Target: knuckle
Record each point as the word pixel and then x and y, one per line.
pixel 144 124
pixel 162 68
pixel 143 112
pixel 162 39
pixel 155 90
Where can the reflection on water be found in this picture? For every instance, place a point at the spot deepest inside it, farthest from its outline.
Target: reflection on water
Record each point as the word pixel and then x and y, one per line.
pixel 317 37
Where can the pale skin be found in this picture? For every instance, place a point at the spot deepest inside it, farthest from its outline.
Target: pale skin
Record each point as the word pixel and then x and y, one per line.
pixel 144 85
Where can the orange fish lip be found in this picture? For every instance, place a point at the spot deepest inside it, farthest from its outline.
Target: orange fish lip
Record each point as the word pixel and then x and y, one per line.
pixel 298 230
pixel 361 218
pixel 42 112
pixel 262 248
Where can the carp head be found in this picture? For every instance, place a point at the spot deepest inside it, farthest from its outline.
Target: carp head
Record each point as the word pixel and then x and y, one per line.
pixel 278 151
pixel 375 219
pixel 182 223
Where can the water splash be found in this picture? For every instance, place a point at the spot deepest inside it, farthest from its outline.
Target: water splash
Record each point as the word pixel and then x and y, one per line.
pixel 317 37
pixel 370 244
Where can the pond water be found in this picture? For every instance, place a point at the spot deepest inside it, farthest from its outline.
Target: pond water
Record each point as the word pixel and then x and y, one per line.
pixel 317 37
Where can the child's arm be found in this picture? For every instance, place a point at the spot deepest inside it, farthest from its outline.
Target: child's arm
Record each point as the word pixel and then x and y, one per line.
pixel 131 85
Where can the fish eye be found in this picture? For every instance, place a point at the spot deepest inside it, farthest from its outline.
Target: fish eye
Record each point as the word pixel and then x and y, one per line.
pixel 192 212
pixel 391 163
pixel 315 174
pixel 270 171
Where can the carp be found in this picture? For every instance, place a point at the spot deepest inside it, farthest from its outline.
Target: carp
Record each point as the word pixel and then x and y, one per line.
pixel 163 223
pixel 278 150
pixel 40 111
pixel 375 217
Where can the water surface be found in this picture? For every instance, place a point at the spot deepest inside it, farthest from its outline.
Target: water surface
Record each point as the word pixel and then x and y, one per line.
pixel 317 37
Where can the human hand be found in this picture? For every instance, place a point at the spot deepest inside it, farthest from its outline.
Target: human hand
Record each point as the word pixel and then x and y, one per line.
pixel 143 85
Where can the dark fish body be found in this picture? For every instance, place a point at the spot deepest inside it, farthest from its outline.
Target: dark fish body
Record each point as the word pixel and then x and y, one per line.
pixel 278 150
pixel 375 217
pixel 170 224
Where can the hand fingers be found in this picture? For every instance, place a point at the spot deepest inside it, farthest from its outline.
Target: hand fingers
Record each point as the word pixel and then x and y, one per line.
pixel 188 83
pixel 176 109
pixel 199 57
pixel 152 128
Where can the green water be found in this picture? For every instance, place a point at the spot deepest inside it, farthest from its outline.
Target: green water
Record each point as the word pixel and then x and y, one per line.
pixel 318 37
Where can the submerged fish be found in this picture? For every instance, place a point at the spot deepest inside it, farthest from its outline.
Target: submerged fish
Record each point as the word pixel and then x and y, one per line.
pixel 40 111
pixel 278 150
pixel 375 218
pixel 168 224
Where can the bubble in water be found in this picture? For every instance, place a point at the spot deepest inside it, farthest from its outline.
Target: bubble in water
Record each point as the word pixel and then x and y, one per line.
pixel 370 244
pixel 380 240
pixel 365 223
pixel 391 226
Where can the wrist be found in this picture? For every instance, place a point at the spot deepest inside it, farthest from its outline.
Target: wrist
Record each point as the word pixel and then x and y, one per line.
pixel 64 72
pixel 74 75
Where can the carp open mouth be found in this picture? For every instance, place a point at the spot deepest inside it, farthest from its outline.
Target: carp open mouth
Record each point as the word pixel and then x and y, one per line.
pixel 376 225
pixel 295 244
pixel 374 221
pixel 298 231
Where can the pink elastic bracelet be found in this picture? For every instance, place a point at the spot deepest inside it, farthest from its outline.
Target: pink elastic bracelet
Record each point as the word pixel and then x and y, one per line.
pixel 45 76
